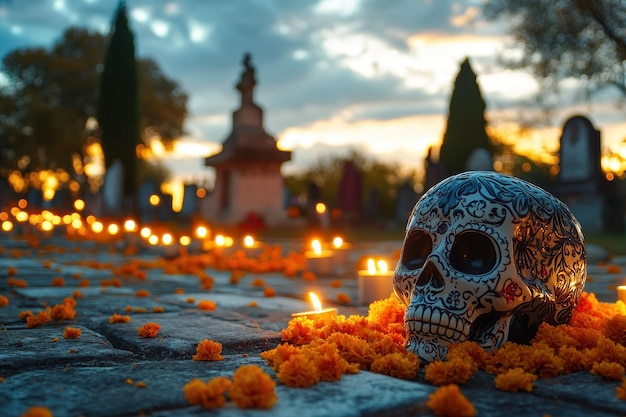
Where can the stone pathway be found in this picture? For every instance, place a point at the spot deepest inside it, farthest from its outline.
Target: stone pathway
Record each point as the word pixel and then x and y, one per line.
pixel 97 375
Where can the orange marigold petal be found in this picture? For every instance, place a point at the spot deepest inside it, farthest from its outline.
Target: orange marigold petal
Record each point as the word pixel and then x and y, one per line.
pixel 208 350
pixel 448 401
pixel 252 388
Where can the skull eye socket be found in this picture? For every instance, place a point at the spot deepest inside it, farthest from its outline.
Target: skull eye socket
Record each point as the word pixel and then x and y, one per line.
pixel 417 247
pixel 473 253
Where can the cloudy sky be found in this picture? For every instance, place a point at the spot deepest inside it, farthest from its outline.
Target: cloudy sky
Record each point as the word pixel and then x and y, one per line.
pixel 374 75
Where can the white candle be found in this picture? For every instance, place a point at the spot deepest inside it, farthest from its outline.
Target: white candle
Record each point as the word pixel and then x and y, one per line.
pixel 375 283
pixel 318 312
pixel 621 293
pixel 319 261
pixel 341 255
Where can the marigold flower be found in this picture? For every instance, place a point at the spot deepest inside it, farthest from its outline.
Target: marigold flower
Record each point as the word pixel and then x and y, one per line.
pixel 608 370
pixel 142 293
pixel 455 371
pixel 299 331
pixel 269 292
pixel 38 412
pixel 208 350
pixel 309 276
pixel 57 282
pixel 258 282
pixel 118 318
pixel 71 333
pixel 141 384
pixel 158 309
pixel 11 271
pixel 470 352
pixel 4 301
pixel 149 329
pixel 398 365
pixel 140 310
pixel 253 304
pixel 616 329
pixel 336 283
pixel 42 317
pixel 207 305
pixel 328 361
pixel 252 388
pixel 281 353
pixel 208 395
pixel 62 312
pixel 24 314
pixel 515 380
pixel 299 371
pixel 17 283
pixel 613 269
pixel 343 298
pixel 448 401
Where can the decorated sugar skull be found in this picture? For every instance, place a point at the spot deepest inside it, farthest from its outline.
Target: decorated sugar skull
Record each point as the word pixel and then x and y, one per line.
pixel 487 258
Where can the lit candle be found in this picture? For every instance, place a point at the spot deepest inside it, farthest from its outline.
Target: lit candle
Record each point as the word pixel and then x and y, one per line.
pixel 621 293
pixel 341 255
pixel 251 247
pixel 319 261
pixel 375 283
pixel 318 312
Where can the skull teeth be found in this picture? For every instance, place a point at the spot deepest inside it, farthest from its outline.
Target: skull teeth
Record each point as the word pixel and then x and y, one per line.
pixel 433 321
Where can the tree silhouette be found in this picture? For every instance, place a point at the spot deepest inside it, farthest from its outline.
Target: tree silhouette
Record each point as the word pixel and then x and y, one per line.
pixel 465 130
pixel 118 104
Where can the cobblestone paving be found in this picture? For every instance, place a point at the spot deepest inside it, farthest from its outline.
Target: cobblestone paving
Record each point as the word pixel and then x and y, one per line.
pixel 97 375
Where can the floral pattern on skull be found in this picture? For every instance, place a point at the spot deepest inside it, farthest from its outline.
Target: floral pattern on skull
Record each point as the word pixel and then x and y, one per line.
pixel 487 257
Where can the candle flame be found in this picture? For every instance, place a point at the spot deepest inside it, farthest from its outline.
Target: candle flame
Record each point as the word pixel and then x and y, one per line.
pixel 337 242
pixel 317 305
pixel 220 240
pixel 317 247
pixel 248 241
pixel 374 266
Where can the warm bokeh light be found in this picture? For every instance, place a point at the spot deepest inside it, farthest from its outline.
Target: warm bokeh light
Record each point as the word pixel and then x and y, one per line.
pixel 201 193
pixel 79 205
pixel 167 239
pixel 220 240
pixel 130 225
pixel 97 226
pixel 316 246
pixel 153 239
pixel 145 232
pixel 185 240
pixel 320 208
pixel 7 226
pixel 202 232
pixel 113 229
pixel 382 265
pixel 248 241
pixel 155 199
pixel 337 242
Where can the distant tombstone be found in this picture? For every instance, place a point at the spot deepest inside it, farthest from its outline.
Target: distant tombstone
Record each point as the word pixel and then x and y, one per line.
pixel 405 201
pixel 372 208
pixel 34 198
pixel 579 154
pixel 351 191
pixel 581 183
pixel 112 188
pixel 479 160
pixel 165 208
pixel 433 171
pixel 147 212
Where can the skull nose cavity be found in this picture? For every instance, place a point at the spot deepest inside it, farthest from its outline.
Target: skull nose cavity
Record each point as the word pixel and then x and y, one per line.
pixel 430 275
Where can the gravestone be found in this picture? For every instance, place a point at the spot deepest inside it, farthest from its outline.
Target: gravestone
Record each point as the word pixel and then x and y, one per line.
pixel 405 201
pixel 190 200
pixel 479 160
pixel 147 212
pixel 581 182
pixel 350 192
pixel 112 189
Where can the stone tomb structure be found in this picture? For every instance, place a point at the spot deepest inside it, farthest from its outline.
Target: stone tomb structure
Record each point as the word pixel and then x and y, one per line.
pixel 581 183
pixel 247 170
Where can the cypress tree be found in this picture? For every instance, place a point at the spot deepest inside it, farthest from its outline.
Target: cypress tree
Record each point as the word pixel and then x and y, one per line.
pixel 118 104
pixel 465 130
